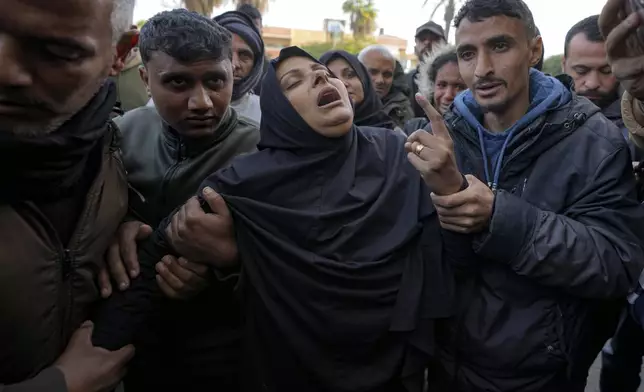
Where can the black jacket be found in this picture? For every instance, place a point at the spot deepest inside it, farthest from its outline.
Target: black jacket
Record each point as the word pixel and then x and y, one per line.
pixel 563 239
pixel 187 344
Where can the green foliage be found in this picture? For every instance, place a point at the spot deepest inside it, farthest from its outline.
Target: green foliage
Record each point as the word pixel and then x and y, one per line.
pixel 352 46
pixel 140 23
pixel 552 65
pixel 362 14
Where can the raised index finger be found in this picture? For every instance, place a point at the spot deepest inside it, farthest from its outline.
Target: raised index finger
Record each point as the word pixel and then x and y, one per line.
pixel 436 120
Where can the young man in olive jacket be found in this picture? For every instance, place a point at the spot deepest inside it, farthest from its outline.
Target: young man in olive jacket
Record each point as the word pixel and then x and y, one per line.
pixel 168 150
pixel 551 210
pixel 63 189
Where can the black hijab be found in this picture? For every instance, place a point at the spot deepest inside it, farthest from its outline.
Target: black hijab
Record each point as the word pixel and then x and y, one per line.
pixel 370 111
pixel 333 235
pixel 239 23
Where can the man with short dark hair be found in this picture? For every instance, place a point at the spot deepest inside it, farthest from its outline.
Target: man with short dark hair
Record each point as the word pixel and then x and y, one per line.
pixel 428 35
pixel 63 190
pixel 550 209
pixel 168 150
pixel 586 62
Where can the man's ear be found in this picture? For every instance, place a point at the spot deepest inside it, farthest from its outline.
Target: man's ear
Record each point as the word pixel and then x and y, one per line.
pixel 143 73
pixel 536 50
pixel 563 64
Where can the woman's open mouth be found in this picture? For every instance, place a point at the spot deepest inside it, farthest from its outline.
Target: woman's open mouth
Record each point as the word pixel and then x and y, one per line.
pixel 328 96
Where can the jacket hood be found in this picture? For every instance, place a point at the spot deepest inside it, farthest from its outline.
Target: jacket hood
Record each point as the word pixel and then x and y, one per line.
pixel 426 67
pixel 546 94
pixel 555 123
pixel 400 84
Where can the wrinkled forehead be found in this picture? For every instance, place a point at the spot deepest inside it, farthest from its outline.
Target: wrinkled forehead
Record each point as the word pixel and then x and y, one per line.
pixel 376 60
pixel 581 50
pixel 163 63
pixel 296 64
pixel 80 19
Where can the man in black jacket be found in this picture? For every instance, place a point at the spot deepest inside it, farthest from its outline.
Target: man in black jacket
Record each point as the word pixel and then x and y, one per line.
pixel 168 150
pixel 551 212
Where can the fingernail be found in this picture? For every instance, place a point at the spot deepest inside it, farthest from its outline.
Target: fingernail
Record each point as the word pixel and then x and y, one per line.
pixel 159 267
pixel 123 285
pixel 167 261
pixel 183 261
pixel 207 190
pixel 134 273
pixel 105 293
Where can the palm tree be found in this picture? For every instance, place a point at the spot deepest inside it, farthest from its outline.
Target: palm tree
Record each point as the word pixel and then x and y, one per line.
pixel 362 15
pixel 206 7
pixel 448 16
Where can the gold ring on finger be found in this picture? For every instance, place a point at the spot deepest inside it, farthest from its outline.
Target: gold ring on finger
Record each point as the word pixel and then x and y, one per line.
pixel 419 149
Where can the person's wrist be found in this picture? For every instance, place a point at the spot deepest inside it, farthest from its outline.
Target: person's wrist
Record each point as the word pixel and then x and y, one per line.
pixel 457 183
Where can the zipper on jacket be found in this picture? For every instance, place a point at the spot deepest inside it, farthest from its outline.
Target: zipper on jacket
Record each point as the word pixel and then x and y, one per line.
pixel 167 178
pixel 66 264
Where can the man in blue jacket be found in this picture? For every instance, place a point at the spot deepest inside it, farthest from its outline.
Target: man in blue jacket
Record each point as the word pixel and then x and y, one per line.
pixel 551 213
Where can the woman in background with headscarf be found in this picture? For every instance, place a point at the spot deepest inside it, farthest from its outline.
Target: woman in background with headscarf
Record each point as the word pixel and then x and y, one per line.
pixel 248 62
pixel 341 253
pixel 439 79
pixel 368 110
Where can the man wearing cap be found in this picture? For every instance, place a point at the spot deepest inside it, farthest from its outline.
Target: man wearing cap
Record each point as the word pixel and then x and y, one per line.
pixel 248 62
pixel 427 36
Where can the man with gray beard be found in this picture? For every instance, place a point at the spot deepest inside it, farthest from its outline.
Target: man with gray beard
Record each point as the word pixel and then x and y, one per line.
pixel 63 190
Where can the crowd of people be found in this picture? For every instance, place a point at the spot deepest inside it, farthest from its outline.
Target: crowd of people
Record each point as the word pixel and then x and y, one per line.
pixel 180 213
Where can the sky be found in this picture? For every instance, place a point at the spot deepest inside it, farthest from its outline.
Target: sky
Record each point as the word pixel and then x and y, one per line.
pixel 401 17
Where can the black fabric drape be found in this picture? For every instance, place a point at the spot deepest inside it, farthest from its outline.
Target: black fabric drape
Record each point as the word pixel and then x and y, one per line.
pixel 370 111
pixel 341 253
pixel 342 261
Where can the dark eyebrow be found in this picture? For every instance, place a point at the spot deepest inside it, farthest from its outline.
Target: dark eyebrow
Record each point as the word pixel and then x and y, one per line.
pixel 499 39
pixel 316 66
pixel 247 52
pixel 64 41
pixel 465 47
pixel 293 71
pixel 188 75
